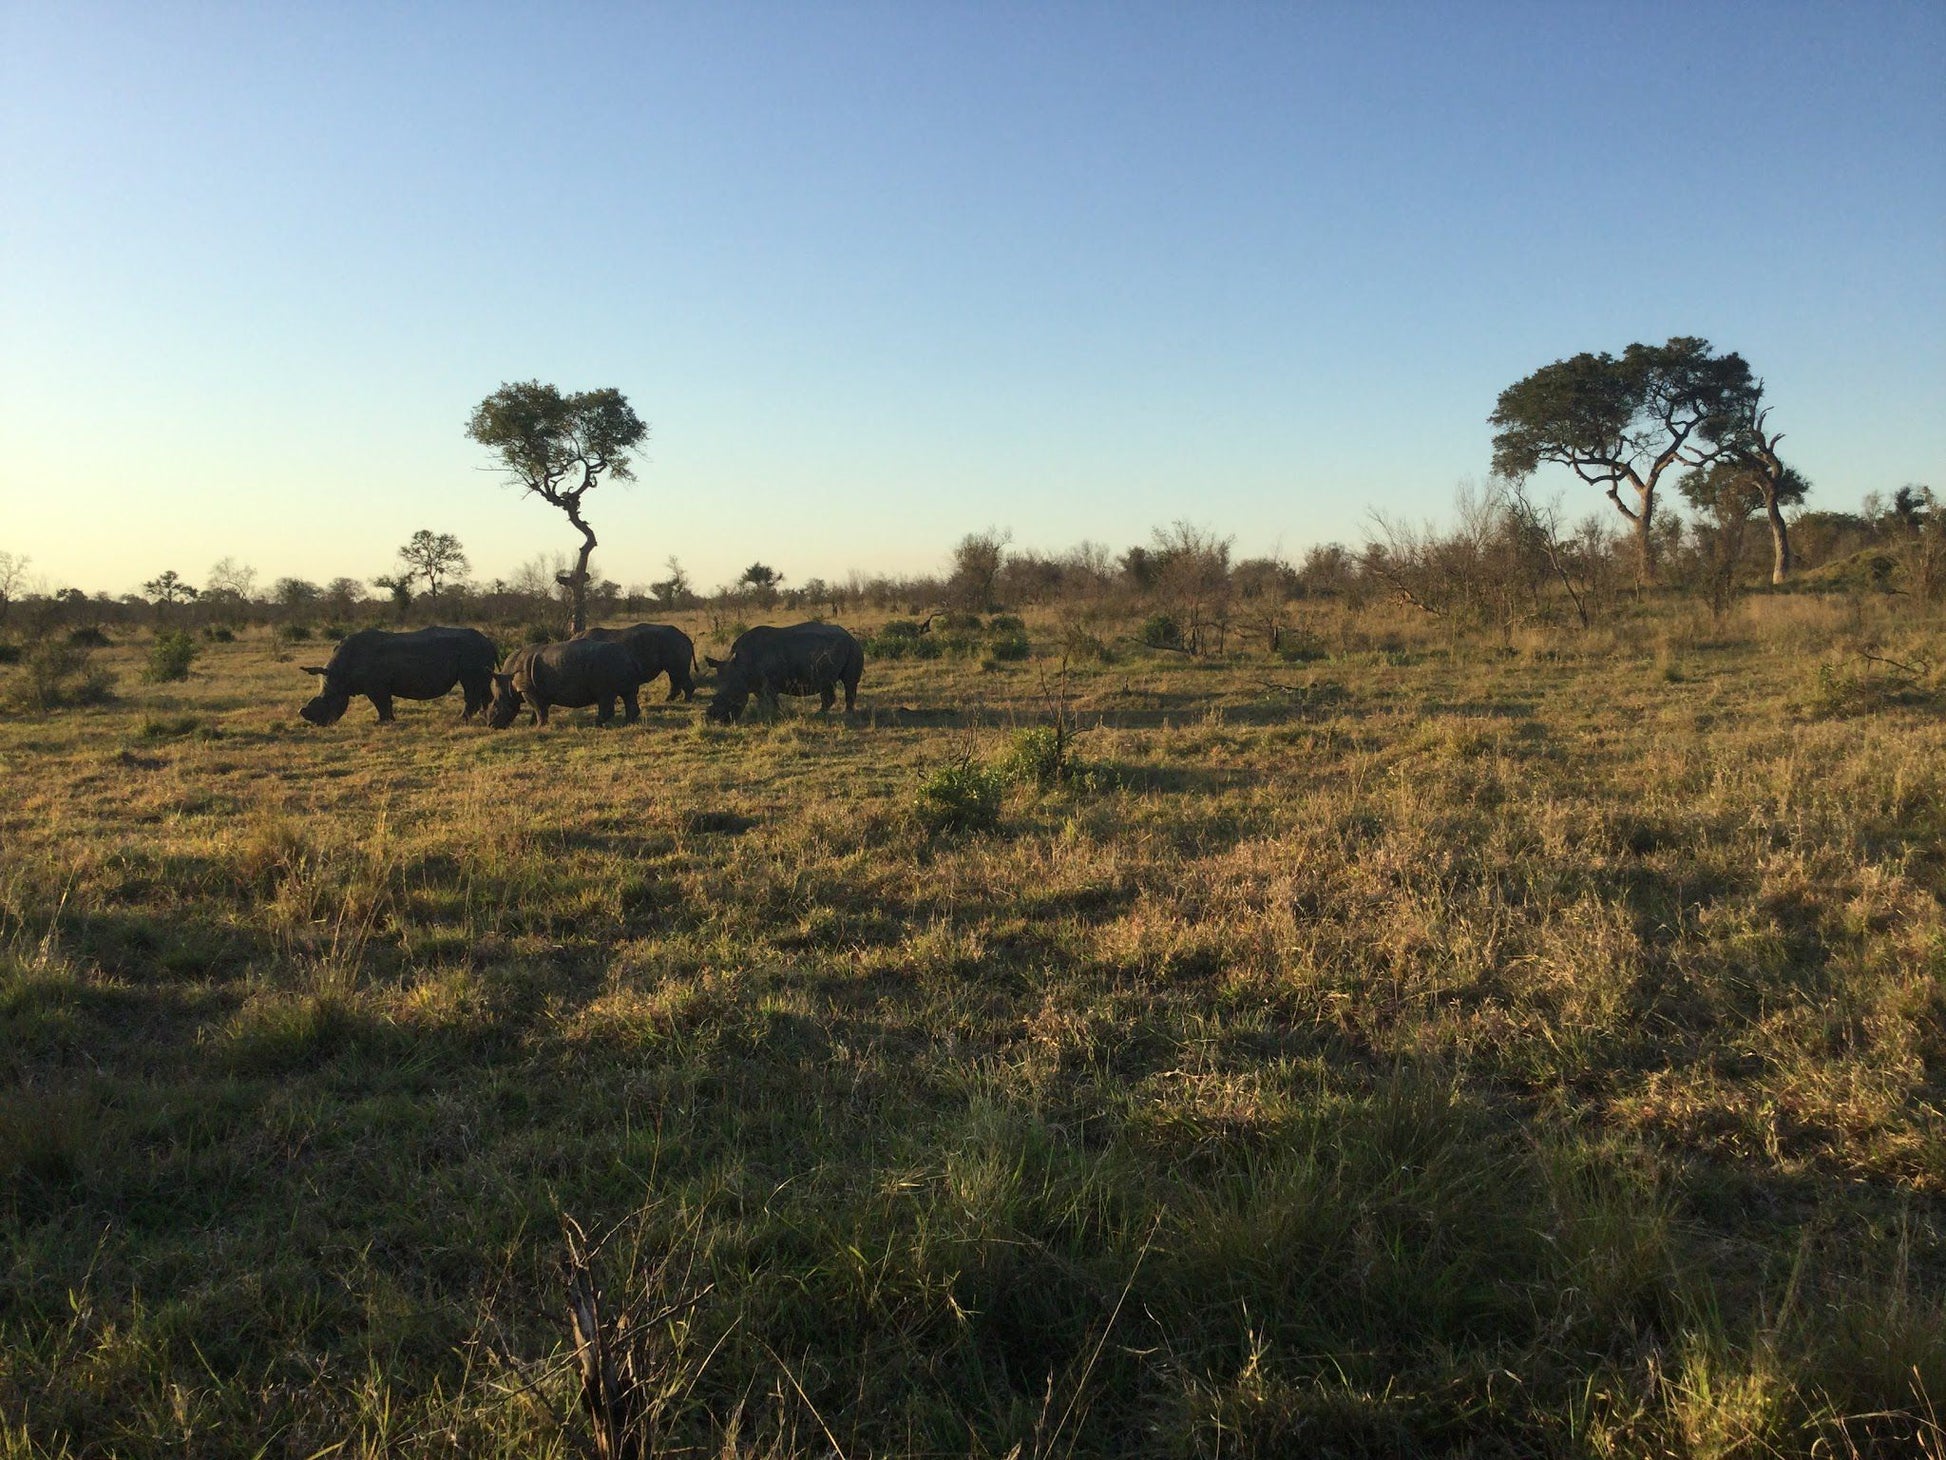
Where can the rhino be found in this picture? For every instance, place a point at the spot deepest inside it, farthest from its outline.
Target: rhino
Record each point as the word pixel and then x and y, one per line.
pixel 658 649
pixel 574 674
pixel 421 665
pixel 804 659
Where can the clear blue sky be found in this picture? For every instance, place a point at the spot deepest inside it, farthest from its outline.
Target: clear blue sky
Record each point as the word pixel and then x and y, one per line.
pixel 881 274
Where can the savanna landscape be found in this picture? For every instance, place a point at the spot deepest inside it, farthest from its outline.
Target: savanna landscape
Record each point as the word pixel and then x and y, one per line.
pixel 1393 1035
pixel 880 731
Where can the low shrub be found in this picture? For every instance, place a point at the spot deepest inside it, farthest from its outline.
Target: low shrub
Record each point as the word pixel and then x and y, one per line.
pixel 1006 623
pixel 1864 685
pixel 537 634
pixel 1298 647
pixel 88 636
pixel 1037 756
pixel 1159 631
pixel 9 653
pixel 1084 646
pixel 331 633
pixel 954 622
pixel 1009 647
pixel 170 657
pixel 283 637
pixel 220 634
pixel 904 639
pixel 963 796
pixel 168 727
pixel 59 676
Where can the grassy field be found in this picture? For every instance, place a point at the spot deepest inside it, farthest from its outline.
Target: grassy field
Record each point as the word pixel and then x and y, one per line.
pixel 1433 1047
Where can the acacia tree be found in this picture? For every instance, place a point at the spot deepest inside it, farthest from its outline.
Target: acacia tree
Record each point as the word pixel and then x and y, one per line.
pixel 1623 422
pixel 1749 452
pixel 434 557
pixel 166 589
pixel 762 580
pixel 559 447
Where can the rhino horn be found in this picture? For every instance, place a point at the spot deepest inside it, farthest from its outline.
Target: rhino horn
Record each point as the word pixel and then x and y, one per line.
pixel 314 669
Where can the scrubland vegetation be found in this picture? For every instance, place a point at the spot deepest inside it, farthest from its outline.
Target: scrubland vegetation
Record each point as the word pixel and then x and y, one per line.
pixel 1213 1013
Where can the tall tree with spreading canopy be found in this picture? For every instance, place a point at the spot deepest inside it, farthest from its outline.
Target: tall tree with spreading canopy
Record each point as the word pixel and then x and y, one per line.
pixel 559 447
pixel 1622 423
pixel 434 556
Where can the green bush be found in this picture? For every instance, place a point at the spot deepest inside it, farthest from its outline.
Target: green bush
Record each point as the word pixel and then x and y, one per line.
pixel 58 676
pixel 9 653
pixel 537 634
pixel 1009 647
pixel 219 634
pixel 88 636
pixel 1037 756
pixel 170 657
pixel 296 633
pixel 1084 646
pixel 902 638
pixel 964 796
pixel 954 622
pixel 1006 623
pixel 1159 631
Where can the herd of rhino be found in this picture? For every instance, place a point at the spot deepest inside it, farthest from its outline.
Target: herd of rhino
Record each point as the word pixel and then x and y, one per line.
pixel 596 667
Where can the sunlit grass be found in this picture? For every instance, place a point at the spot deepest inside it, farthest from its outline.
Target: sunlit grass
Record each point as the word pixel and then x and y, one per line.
pixel 1426 1047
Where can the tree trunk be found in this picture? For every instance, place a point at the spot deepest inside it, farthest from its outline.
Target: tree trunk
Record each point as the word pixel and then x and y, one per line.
pixel 578 580
pixel 1644 540
pixel 1780 539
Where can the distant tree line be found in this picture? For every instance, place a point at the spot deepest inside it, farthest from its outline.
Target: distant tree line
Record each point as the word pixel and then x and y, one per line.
pixel 1501 558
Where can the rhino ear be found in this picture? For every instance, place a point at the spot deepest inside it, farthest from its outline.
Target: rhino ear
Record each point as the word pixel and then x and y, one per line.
pixel 314 669
pixel 712 662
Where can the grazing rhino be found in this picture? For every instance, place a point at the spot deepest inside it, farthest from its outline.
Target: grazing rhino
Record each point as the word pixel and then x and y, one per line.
pixel 576 674
pixel 421 665
pixel 804 659
pixel 658 649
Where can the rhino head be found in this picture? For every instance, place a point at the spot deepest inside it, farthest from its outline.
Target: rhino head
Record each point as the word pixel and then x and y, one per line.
pixel 732 690
pixel 329 704
pixel 506 702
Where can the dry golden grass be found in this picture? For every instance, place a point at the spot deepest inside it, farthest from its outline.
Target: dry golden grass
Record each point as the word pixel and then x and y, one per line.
pixel 1428 1048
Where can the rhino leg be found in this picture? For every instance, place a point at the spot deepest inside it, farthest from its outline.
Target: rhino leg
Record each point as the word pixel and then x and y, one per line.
pixel 540 711
pixel 605 711
pixel 851 695
pixel 631 706
pixel 381 702
pixel 827 696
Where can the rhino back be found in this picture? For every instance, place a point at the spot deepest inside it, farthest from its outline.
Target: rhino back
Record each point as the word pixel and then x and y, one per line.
pixel 800 659
pixel 421 664
pixel 576 673
pixel 657 648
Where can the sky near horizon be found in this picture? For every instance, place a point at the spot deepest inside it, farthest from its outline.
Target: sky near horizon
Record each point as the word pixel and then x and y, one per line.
pixel 878 275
